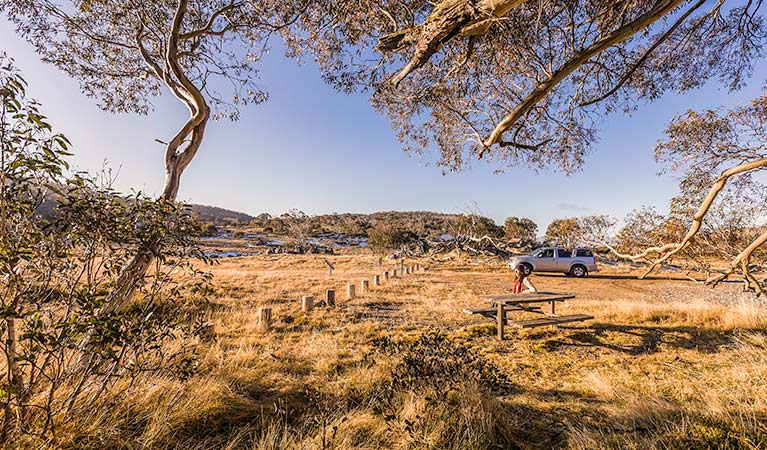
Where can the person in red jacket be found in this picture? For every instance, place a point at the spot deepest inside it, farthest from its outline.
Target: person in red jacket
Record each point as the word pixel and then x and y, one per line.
pixel 522 283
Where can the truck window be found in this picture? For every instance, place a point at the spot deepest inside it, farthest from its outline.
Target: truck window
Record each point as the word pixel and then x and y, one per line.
pixel 562 253
pixel 584 252
pixel 546 253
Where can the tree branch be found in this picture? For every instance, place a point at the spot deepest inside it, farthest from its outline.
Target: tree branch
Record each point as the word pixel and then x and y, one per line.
pixel 516 144
pixel 626 76
pixel 197 105
pixel 661 8
pixel 743 260
pixel 668 250
pixel 448 19
pixel 206 29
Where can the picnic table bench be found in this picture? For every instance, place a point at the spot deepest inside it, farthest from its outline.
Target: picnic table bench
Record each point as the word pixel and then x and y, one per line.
pixel 504 303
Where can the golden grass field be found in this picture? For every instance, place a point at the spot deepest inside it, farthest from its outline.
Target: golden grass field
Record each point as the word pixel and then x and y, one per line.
pixel 665 364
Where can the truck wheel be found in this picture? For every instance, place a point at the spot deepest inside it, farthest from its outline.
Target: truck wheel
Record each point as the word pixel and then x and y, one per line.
pixel 578 271
pixel 526 268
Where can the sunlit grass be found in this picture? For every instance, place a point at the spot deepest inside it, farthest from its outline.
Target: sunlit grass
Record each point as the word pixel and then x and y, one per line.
pixel 664 364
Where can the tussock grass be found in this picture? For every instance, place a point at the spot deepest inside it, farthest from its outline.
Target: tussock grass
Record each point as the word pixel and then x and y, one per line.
pixel 666 364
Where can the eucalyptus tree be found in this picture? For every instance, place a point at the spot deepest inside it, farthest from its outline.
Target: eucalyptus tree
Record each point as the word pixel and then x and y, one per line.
pixel 520 229
pixel 126 53
pixel 719 156
pixel 524 82
pixel 527 82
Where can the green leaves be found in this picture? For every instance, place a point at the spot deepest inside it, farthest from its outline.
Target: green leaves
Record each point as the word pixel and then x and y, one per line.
pixel 63 242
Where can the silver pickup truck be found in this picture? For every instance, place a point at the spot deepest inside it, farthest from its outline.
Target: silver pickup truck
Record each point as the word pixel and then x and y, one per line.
pixel 577 262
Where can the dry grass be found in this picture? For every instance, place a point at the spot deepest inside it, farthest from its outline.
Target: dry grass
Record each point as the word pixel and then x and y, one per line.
pixel 665 364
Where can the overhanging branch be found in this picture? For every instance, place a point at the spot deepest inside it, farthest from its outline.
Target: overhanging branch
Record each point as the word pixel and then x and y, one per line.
pixel 666 251
pixel 627 76
pixel 661 8
pixel 448 19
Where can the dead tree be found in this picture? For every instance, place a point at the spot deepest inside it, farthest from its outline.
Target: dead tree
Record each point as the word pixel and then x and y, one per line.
pixel 482 246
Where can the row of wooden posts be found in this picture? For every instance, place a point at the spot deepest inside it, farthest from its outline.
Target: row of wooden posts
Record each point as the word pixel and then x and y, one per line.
pixel 307 301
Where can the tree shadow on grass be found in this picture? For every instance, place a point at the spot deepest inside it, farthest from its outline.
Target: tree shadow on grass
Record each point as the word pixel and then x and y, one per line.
pixel 262 412
pixel 643 339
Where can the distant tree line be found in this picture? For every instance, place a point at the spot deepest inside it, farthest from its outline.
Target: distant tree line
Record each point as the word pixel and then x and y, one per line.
pixel 391 229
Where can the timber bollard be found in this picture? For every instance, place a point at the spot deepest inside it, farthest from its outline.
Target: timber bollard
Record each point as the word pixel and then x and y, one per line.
pixel 351 291
pixel 501 319
pixel 386 275
pixel 376 280
pixel 330 298
pixel 394 273
pixel 264 318
pixel 364 286
pixel 307 303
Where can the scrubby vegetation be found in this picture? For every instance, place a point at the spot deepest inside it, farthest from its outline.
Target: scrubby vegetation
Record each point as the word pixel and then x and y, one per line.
pixel 65 350
pixel 665 364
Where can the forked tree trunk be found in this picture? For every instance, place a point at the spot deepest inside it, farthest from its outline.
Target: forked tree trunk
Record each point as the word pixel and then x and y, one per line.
pixel 178 154
pixel 132 275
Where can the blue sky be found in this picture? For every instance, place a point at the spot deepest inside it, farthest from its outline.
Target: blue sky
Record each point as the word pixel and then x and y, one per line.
pixel 321 151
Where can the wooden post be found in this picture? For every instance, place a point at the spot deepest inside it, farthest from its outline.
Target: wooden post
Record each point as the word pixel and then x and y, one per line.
pixel 501 319
pixel 394 273
pixel 364 286
pixel 307 303
pixel 380 264
pixel 351 291
pixel 330 268
pixel 330 298
pixel 402 266
pixel 376 280
pixel 552 307
pixel 264 318
pixel 386 275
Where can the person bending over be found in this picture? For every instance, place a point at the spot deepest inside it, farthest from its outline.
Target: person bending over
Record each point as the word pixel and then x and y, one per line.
pixel 522 283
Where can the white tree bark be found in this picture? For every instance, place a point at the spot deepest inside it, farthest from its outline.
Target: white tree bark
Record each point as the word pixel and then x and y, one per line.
pixel 178 154
pixel 666 251
pixel 449 18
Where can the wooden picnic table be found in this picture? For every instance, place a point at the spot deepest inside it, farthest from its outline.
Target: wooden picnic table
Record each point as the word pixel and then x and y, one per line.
pixel 504 303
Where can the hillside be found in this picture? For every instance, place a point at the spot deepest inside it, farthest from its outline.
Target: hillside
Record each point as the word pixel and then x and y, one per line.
pixel 219 216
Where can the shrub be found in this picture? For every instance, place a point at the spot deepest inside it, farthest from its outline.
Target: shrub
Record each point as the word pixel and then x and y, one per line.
pixel 384 238
pixel 62 350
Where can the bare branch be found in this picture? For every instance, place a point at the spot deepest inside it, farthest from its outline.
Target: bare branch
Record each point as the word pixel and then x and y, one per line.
pixel 743 260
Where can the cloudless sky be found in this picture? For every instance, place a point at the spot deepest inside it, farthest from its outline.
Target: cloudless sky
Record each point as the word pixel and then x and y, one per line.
pixel 312 148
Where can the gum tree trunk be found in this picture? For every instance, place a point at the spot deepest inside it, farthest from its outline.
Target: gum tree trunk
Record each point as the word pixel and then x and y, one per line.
pixel 178 154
